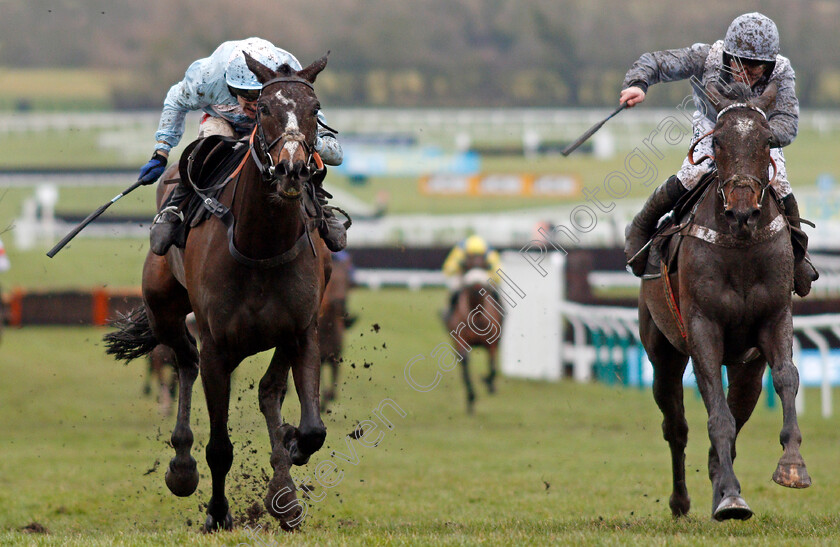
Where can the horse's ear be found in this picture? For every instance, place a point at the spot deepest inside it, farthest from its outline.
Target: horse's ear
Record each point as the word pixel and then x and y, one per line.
pixel 311 72
pixel 262 72
pixel 767 99
pixel 716 98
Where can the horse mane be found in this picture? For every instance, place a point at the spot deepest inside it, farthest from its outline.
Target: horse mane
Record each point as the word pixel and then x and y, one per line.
pixel 737 91
pixel 285 70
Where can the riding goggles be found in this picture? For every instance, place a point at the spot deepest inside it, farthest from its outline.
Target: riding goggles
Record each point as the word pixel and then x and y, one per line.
pixel 249 95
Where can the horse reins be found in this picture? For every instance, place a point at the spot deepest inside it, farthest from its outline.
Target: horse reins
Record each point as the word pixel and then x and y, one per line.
pixel 268 173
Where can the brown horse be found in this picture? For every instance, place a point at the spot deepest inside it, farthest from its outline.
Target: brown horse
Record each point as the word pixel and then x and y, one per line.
pixel 332 322
pixel 253 286
pixel 729 303
pixel 477 320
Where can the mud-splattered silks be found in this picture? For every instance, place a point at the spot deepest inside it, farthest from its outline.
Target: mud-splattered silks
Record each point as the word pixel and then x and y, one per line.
pixel 703 63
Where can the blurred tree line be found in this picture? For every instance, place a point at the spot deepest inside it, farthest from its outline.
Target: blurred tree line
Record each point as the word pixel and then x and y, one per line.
pixel 418 53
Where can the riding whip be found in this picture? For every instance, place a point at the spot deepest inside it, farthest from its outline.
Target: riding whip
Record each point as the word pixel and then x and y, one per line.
pixel 591 131
pixel 90 218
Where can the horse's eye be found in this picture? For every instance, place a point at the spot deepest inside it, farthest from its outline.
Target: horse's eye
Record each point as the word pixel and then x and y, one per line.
pixel 264 109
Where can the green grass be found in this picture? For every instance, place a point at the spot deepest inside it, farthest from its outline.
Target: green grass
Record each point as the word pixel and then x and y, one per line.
pixel 538 463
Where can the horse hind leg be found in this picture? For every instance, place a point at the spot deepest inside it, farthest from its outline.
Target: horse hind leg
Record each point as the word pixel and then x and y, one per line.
pixel 668 368
pixel 167 305
pixel 182 476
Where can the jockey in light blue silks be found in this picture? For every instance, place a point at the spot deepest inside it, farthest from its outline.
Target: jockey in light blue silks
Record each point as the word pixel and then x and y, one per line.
pixel 749 53
pixel 226 90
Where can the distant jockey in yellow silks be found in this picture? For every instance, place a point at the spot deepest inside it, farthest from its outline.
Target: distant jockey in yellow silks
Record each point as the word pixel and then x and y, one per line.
pixel 472 257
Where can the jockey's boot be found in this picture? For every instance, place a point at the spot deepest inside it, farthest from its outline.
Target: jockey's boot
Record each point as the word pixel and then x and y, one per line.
pixel 639 231
pixel 332 230
pixel 167 221
pixel 804 272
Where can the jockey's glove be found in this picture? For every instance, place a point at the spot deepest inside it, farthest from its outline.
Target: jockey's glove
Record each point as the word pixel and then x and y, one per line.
pixel 152 171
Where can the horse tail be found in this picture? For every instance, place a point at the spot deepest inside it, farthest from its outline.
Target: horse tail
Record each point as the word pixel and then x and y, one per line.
pixel 133 338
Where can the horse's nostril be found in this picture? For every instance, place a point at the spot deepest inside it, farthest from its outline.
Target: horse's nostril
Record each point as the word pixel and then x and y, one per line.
pixel 755 213
pixel 729 214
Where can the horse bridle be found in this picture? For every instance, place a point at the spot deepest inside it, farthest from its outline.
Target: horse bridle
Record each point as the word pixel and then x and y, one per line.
pixel 268 168
pixel 722 184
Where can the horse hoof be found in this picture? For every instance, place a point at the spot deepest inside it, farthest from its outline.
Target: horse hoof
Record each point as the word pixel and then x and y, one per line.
pixel 732 507
pixel 182 480
pixel 679 505
pixel 281 502
pixel 792 476
pixel 212 525
pixel 298 457
pixel 491 386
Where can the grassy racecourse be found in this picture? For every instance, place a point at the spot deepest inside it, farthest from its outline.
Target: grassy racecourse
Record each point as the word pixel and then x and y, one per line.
pixel 84 454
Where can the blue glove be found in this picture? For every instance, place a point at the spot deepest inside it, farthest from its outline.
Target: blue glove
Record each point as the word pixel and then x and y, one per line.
pixel 152 171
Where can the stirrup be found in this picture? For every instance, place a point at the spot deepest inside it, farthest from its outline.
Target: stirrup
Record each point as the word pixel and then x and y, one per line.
pixel 172 209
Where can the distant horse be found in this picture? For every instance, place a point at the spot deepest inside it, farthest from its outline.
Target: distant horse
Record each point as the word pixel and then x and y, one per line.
pixel 255 282
pixel 477 318
pixel 332 319
pixel 161 361
pixel 728 303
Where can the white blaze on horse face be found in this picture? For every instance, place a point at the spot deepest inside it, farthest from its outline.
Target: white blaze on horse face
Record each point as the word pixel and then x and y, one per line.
pixel 282 98
pixel 291 123
pixel 291 127
pixel 745 126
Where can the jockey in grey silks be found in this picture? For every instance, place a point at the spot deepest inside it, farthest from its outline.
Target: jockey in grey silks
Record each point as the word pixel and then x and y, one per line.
pixel 749 53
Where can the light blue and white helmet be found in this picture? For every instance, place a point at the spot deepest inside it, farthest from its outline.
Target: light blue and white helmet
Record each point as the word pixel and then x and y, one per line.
pixel 237 73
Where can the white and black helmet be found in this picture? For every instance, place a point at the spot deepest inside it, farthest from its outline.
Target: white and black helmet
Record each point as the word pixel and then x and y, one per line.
pixel 237 73
pixel 752 36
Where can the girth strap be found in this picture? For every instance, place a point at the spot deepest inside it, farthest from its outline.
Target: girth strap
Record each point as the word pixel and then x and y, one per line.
pixel 726 240
pixel 224 214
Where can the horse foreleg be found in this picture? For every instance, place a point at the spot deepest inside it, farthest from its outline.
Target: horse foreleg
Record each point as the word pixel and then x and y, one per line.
pixel 465 371
pixel 490 379
pixel 744 391
pixel 306 370
pixel 668 368
pixel 280 500
pixel 707 352
pixel 215 377
pixel 776 343
pixel 273 386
